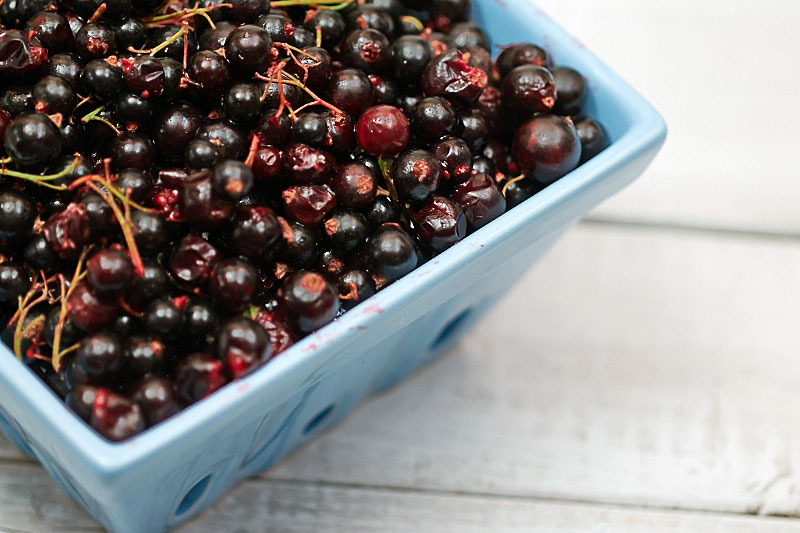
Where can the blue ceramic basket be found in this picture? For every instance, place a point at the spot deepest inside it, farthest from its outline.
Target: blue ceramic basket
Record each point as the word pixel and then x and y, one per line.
pixel 166 475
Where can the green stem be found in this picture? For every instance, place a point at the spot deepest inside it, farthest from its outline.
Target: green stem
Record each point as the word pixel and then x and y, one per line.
pixel 42 180
pixel 169 41
pixel 333 5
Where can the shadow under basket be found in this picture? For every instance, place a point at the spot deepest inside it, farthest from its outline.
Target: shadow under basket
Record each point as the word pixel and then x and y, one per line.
pixel 166 475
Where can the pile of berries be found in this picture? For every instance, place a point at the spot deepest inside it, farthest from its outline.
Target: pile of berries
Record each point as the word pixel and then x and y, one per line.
pixel 187 188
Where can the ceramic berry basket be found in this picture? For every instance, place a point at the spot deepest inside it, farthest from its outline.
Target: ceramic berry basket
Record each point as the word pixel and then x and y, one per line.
pixel 164 476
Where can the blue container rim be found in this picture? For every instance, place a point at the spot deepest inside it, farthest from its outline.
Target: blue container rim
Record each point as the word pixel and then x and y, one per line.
pixel 647 128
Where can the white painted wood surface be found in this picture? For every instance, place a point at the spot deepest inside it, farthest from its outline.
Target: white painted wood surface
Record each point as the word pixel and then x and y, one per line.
pixel 640 379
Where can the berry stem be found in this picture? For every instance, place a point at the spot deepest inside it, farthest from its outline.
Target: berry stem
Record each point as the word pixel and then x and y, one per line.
pixel 62 313
pixel 509 182
pixel 385 165
pixel 171 39
pixel 42 180
pixel 125 225
pixel 333 5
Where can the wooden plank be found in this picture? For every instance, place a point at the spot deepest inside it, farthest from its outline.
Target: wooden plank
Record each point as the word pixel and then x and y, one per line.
pixel 637 367
pixel 30 503
pixel 290 507
pixel 726 159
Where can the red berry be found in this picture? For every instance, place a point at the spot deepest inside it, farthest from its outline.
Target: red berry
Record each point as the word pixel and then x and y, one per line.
pixel 383 130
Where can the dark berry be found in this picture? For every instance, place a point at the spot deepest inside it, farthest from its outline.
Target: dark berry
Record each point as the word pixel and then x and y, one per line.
pixel 242 345
pixel 116 417
pixel 306 164
pixel 570 91
pixel 529 89
pixel 150 285
pixel 301 244
pixel 242 104
pixel 109 272
pixel 274 128
pixel 17 215
pixel 480 199
pixel 143 355
pixel 314 67
pixel 210 70
pixel 308 204
pixel 368 50
pixel 81 400
pixel 310 128
pixel 279 27
pixel 309 299
pixel 201 319
pixel 228 137
pixel 215 38
pixel 15 280
pixel 101 357
pixel 456 158
pixel 143 76
pixel 133 109
pixel 32 140
pixel 280 332
pixel 354 185
pixel 465 34
pixel 201 154
pixel 246 48
pixel 130 32
pixel 174 128
pixel 473 128
pixel 101 79
pixel 592 136
pixel 432 118
pixel 136 183
pixel 351 91
pixel 266 163
pixel 197 376
pixel 39 254
pixel 132 150
pixel 247 11
pixel 546 147
pixel 449 75
pixel 157 399
pixel 67 231
pixel 416 175
pixel 383 130
pixel 233 283
pixel 518 191
pixel 164 318
pixel 346 229
pixel 52 95
pixel 440 223
pixel 231 179
pixel 94 41
pixel 354 287
pixel 193 260
pixel 522 54
pixel 254 232
pixel 390 252
pixel 331 24
pixel 411 54
pixel 51 30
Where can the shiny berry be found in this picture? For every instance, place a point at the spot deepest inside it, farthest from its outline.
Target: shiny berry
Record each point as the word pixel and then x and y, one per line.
pixel 432 118
pixel 101 357
pixel 546 147
pixel 201 154
pixel 354 286
pixel 247 49
pixel 570 91
pixel 109 272
pixel 197 376
pixel 242 104
pixel 164 318
pixel 411 54
pixel 449 75
pixel 88 312
pixel 416 175
pixel 231 179
pixel 368 50
pixel 201 318
pixel 15 280
pixel 592 136
pixel 67 231
pixel 193 260
pixel 480 199
pixel 456 158
pixel 309 299
pixel 157 399
pixel 17 215
pixel 306 164
pixel 233 283
pixel 32 140
pixel 354 185
pixel 383 130
pixel 101 79
pixel 242 345
pixel 308 204
pixel 52 95
pixel 351 91
pixel 529 89
pixel 254 232
pixel 440 223
pixel 390 252
pixel 116 417
pixel 346 229
pixel 143 355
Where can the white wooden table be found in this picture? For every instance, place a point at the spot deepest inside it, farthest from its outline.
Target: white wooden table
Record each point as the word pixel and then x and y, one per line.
pixel 652 382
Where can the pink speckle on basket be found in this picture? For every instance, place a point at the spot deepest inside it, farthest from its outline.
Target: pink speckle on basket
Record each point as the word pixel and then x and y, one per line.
pixel 501 3
pixel 243 387
pixel 372 309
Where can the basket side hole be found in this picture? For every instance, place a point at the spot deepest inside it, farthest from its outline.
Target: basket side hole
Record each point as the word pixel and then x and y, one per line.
pixel 318 419
pixel 194 495
pixel 451 329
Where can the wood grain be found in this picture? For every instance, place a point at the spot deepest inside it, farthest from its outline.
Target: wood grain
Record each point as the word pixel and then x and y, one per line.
pixel 719 73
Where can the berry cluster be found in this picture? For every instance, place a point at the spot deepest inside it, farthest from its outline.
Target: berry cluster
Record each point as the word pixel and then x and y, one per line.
pixel 187 188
